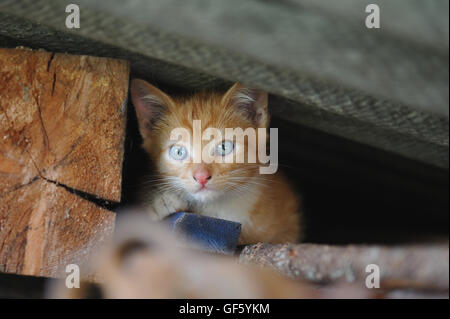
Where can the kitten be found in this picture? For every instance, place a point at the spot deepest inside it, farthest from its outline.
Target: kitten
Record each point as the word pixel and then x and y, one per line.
pixel 265 205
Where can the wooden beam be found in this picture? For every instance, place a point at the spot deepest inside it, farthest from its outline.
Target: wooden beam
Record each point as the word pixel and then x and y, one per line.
pixel 420 266
pixel 62 128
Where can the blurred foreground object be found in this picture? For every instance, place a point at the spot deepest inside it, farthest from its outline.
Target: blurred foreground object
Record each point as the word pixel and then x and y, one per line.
pixel 59 115
pixel 147 262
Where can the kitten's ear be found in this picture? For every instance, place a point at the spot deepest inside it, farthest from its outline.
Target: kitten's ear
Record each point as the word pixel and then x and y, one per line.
pixel 251 103
pixel 150 104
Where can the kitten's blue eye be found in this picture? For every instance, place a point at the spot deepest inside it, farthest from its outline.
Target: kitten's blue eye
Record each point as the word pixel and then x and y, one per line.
pixel 178 152
pixel 224 148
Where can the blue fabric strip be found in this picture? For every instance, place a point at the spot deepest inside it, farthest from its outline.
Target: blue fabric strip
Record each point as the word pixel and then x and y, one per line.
pixel 213 234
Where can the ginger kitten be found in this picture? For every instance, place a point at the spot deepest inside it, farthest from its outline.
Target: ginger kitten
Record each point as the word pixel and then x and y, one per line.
pixel 264 204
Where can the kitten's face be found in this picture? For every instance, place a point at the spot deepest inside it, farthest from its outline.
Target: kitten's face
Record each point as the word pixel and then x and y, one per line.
pixel 201 169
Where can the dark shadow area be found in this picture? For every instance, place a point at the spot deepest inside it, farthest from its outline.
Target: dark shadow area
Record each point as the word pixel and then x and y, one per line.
pixel 357 194
pixel 20 286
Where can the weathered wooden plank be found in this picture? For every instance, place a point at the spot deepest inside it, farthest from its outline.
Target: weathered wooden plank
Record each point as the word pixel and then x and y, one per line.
pixel 400 108
pixel 63 116
pixel 423 266
pixel 43 228
pixel 62 127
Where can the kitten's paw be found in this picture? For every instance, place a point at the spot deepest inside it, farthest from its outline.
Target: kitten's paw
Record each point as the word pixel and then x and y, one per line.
pixel 154 217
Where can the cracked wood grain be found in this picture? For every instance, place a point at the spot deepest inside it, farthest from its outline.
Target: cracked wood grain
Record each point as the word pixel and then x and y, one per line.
pixel 66 112
pixel 62 128
pixel 47 228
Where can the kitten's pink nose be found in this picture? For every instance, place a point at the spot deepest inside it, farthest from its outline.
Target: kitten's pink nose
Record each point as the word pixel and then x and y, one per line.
pixel 202 176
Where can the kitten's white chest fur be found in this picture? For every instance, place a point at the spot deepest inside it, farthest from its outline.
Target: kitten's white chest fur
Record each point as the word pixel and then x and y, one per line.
pixel 235 207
